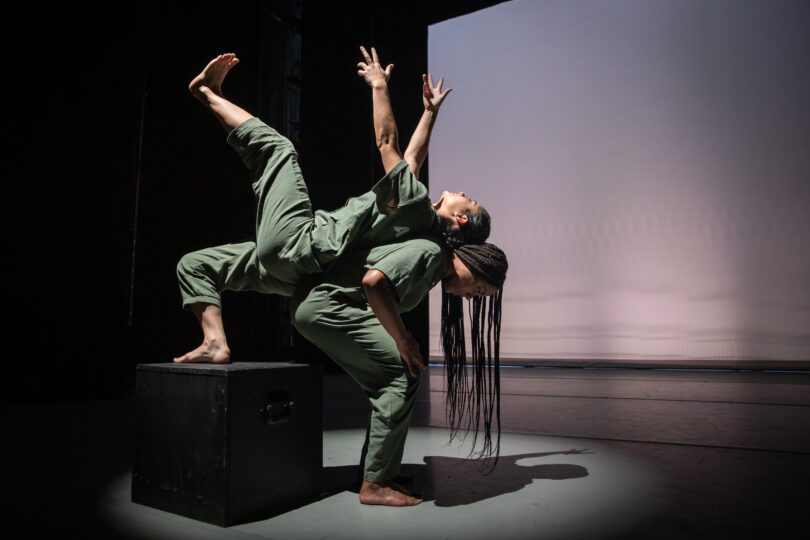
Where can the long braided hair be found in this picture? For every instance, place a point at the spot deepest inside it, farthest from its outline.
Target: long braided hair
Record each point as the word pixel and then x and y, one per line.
pixel 473 399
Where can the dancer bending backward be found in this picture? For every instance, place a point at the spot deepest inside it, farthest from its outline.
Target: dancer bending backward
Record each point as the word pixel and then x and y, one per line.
pixel 291 240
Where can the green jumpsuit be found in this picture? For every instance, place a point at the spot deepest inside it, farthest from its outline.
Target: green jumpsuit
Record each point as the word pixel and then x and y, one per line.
pixel 296 254
pixel 331 311
pixel 292 241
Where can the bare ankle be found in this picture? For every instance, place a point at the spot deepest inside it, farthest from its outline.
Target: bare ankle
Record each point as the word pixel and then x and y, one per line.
pixel 202 93
pixel 218 342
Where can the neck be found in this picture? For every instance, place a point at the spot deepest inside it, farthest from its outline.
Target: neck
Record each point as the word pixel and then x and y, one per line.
pixel 449 266
pixel 454 264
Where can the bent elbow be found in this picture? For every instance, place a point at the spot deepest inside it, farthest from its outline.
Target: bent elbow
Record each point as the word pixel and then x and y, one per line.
pixel 413 163
pixel 371 279
pixel 385 141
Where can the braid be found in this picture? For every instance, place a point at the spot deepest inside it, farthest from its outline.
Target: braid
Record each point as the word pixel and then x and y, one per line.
pixel 486 261
pixel 455 355
pixel 480 399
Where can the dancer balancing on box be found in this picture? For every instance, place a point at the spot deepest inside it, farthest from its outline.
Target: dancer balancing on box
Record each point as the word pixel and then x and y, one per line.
pixel 350 307
pixel 291 240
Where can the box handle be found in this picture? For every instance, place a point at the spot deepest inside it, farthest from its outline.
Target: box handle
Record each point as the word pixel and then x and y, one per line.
pixel 278 408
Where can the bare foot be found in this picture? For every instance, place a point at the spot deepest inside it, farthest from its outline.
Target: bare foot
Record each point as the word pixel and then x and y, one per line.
pixel 383 493
pixel 212 76
pixel 211 352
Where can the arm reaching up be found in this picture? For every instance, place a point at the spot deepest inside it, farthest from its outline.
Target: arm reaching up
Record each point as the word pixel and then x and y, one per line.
pixel 385 128
pixel 432 98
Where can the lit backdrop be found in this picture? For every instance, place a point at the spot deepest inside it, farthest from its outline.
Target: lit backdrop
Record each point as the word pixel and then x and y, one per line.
pixel 647 168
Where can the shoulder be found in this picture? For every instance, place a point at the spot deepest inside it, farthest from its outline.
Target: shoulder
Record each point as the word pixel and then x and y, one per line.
pixel 401 185
pixel 420 251
pixel 424 244
pixel 426 253
pixel 400 169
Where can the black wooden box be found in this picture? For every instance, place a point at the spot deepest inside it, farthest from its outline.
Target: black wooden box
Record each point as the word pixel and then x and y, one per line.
pixel 227 443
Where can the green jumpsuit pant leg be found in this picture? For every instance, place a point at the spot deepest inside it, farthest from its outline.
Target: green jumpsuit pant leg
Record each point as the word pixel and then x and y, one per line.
pixel 204 274
pixel 284 215
pixel 280 256
pixel 354 338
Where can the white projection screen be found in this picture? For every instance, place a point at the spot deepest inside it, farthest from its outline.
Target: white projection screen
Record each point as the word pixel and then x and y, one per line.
pixel 647 167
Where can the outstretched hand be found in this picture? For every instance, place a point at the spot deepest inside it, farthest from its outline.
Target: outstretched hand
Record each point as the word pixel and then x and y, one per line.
pixel 371 70
pixel 409 350
pixel 432 96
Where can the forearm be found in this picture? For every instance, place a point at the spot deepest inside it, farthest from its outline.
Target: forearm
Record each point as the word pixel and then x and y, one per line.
pixel 385 128
pixel 382 297
pixel 417 150
pixel 383 302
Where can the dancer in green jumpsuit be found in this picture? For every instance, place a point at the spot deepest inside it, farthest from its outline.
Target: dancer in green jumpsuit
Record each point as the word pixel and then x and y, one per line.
pixel 292 241
pixel 350 308
pixel 352 313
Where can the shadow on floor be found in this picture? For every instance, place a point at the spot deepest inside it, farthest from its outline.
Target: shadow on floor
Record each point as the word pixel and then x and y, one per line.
pixel 450 481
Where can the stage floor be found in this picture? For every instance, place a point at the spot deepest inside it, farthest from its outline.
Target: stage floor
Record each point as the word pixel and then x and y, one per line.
pixel 602 454
pixel 542 488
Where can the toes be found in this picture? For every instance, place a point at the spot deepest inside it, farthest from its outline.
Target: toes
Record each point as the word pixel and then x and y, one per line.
pixel 185 358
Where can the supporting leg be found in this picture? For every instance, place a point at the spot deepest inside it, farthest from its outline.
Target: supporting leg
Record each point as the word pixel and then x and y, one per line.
pixel 356 340
pixel 398 479
pixel 203 275
pixel 214 348
pixel 364 451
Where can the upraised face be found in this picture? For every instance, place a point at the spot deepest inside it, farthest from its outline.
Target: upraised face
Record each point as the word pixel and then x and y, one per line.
pixel 455 205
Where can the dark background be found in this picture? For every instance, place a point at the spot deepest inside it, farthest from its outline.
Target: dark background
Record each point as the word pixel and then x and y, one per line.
pixel 104 150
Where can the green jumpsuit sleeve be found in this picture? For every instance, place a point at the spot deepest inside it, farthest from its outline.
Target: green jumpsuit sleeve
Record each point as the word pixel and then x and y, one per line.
pixel 402 209
pixel 414 268
pixel 399 187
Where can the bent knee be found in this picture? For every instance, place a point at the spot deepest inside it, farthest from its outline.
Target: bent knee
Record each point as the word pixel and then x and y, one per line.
pixel 190 262
pixel 272 254
pixel 305 317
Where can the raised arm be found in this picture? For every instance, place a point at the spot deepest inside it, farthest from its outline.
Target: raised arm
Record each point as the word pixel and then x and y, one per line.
pixel 432 98
pixel 385 128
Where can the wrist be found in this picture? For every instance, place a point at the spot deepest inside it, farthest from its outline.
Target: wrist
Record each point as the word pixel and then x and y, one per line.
pixel 378 85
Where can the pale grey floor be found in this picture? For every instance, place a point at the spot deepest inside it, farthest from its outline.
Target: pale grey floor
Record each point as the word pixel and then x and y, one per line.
pixel 542 488
pixel 666 455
